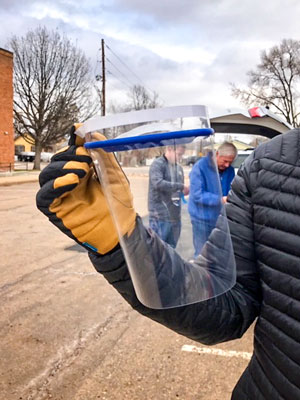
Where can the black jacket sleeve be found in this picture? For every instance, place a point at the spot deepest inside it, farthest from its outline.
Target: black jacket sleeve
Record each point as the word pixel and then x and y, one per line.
pixel 219 319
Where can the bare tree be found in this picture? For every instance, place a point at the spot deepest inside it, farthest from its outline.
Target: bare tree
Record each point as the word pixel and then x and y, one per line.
pixel 275 83
pixel 140 98
pixel 52 87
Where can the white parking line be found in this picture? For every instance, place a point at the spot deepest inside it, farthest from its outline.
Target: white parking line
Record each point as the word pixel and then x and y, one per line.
pixel 217 352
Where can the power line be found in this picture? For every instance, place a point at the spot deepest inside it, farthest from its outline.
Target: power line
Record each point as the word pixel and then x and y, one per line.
pixel 124 83
pixel 119 71
pixel 125 64
pixel 103 78
pixel 129 69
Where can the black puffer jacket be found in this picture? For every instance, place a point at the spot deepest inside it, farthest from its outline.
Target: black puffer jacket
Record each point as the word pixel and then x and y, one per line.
pixel 264 216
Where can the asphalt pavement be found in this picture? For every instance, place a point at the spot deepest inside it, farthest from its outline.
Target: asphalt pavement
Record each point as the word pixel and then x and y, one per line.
pixel 65 334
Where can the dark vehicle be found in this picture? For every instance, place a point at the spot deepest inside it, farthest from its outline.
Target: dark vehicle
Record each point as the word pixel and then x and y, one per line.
pixel 255 121
pixel 191 160
pixel 26 156
pixel 30 156
pixel 240 158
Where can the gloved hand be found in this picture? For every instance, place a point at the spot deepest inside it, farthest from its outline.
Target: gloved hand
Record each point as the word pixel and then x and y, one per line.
pixel 72 198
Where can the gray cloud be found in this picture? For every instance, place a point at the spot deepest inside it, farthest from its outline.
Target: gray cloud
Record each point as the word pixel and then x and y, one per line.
pixel 228 34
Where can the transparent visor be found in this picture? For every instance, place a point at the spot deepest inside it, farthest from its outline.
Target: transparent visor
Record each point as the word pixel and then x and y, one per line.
pixel 180 250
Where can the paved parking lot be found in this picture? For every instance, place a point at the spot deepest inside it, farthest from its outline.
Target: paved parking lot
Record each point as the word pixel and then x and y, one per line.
pixel 66 334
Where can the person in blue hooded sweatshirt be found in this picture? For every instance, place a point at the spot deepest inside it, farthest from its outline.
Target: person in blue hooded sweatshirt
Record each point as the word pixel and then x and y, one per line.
pixel 204 201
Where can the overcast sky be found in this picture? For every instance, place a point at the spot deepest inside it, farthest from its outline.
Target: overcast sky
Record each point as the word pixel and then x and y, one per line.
pixel 188 51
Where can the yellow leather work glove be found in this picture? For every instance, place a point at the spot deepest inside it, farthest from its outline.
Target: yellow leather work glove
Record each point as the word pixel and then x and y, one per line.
pixel 72 198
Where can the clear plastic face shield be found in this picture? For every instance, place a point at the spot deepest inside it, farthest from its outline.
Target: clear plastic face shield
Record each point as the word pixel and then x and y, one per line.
pixel 185 255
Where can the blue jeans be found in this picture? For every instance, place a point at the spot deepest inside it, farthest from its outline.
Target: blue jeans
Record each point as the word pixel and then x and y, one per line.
pixel 201 232
pixel 169 232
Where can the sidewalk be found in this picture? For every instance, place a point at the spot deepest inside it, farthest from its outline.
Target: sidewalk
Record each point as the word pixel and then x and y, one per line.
pixel 18 177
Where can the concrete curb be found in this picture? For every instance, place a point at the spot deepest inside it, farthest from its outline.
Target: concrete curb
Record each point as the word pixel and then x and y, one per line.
pixel 18 179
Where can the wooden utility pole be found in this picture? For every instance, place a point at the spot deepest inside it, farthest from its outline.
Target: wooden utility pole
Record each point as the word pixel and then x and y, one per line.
pixel 103 79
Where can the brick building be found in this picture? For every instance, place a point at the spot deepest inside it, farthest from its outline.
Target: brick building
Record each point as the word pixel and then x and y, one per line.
pixel 6 111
